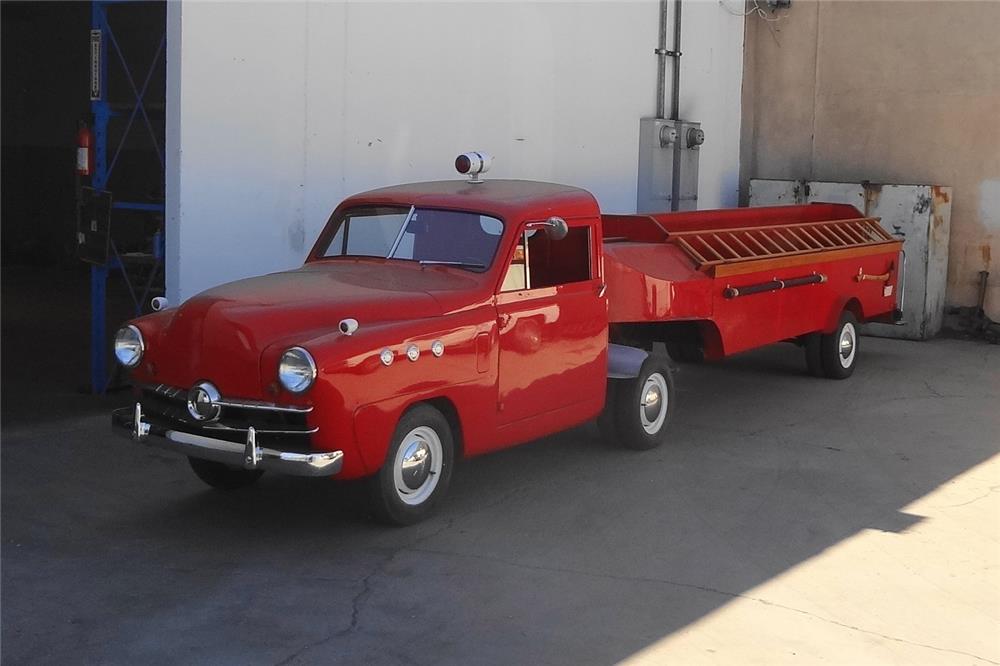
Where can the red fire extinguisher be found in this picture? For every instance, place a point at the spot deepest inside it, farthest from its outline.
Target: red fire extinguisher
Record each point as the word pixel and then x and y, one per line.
pixel 84 150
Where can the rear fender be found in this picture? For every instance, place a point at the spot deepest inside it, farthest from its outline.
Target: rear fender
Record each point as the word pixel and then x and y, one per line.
pixel 624 362
pixel 849 303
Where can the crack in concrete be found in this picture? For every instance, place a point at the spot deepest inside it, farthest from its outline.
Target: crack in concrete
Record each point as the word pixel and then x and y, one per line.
pixel 716 591
pixel 361 598
pixel 990 491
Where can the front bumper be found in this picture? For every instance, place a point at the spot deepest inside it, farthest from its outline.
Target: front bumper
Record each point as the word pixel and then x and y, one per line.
pixel 129 422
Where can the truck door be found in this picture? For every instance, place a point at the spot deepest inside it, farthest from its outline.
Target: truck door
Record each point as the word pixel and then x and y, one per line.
pixel 552 318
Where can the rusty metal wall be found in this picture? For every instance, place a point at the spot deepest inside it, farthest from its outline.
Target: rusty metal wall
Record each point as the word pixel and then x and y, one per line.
pixel 892 92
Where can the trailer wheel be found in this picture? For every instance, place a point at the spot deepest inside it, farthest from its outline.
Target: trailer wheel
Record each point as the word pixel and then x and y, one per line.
pixel 812 344
pixel 686 352
pixel 417 468
pixel 839 350
pixel 223 477
pixel 643 405
pixel 606 419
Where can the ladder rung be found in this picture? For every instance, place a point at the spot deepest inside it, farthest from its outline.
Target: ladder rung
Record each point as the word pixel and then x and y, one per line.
pixel 736 239
pixel 736 255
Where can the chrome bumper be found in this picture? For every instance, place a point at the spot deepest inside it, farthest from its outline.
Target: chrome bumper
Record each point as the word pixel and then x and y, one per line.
pixel 128 422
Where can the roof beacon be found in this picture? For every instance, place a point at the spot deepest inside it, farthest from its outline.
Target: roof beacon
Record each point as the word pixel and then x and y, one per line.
pixel 473 164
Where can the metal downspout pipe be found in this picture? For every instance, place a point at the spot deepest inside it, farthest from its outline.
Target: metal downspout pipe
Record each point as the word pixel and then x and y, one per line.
pixel 662 53
pixel 675 101
pixel 661 62
pixel 675 88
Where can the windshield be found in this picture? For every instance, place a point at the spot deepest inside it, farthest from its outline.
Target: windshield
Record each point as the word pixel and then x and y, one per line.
pixel 466 240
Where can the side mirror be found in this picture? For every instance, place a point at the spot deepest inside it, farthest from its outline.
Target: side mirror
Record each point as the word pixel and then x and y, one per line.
pixel 555 227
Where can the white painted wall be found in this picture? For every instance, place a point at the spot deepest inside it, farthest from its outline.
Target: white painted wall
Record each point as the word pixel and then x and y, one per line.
pixel 279 110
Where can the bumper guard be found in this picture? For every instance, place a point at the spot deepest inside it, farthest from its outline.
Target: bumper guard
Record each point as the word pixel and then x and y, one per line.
pixel 128 422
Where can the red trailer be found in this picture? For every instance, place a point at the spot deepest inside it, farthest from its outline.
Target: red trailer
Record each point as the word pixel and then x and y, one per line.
pixel 445 319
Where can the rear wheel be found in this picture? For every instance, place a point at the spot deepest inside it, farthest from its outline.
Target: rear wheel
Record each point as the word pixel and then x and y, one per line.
pixel 223 477
pixel 642 406
pixel 417 469
pixel 839 350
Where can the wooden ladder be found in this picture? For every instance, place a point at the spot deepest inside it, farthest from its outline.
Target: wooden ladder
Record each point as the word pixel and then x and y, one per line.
pixel 712 247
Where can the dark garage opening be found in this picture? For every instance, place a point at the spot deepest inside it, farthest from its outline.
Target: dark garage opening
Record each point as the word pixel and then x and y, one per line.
pixel 46 287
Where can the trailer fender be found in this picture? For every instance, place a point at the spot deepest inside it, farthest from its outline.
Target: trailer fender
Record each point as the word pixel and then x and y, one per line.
pixel 624 362
pixel 852 305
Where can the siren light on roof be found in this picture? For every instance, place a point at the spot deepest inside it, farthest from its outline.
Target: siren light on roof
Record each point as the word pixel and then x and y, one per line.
pixel 473 164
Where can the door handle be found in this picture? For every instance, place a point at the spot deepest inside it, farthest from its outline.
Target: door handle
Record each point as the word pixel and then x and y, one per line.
pixel 601 289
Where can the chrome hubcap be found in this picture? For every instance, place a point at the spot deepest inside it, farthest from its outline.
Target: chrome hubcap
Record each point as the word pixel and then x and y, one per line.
pixel 417 465
pixel 653 400
pixel 848 344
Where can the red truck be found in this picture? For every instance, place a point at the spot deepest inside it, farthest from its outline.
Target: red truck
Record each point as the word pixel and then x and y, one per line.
pixel 439 320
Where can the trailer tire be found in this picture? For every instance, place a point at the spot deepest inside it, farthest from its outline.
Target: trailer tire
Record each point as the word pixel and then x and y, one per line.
pixel 812 345
pixel 686 352
pixel 417 468
pixel 223 477
pixel 606 419
pixel 644 405
pixel 839 350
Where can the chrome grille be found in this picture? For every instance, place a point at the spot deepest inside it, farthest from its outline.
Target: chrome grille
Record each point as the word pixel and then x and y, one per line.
pixel 167 405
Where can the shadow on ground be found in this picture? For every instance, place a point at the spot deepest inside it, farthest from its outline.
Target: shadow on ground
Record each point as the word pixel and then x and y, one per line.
pixel 561 551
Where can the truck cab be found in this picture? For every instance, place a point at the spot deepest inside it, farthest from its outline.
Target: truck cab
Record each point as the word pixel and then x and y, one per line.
pixel 479 306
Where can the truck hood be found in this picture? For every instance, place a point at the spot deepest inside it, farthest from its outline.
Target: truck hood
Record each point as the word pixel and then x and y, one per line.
pixel 219 334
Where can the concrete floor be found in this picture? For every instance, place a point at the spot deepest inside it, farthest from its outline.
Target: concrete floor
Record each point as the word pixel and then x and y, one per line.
pixel 791 519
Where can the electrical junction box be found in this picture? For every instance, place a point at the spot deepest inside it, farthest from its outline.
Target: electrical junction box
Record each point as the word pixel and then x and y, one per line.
pixel 666 146
pixel 920 215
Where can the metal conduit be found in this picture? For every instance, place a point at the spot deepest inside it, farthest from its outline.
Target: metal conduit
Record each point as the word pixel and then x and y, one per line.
pixel 662 53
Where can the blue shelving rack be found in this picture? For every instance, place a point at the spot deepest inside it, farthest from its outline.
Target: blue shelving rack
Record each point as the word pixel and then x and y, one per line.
pixel 103 40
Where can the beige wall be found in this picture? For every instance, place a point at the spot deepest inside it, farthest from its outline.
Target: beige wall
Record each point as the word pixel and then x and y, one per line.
pixel 891 92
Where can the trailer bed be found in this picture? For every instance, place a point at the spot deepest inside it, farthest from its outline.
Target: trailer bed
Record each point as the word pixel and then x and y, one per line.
pixel 752 275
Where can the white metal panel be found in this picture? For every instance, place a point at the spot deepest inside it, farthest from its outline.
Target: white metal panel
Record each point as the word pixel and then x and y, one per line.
pixel 766 192
pixel 903 212
pixel 842 193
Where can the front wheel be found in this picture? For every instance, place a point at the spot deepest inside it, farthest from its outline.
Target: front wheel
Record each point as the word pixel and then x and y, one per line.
pixel 643 406
pixel 417 468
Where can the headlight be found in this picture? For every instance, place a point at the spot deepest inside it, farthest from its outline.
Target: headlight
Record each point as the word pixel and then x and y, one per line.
pixel 297 370
pixel 129 346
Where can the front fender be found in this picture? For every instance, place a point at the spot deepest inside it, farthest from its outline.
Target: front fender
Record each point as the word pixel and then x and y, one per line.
pixel 357 399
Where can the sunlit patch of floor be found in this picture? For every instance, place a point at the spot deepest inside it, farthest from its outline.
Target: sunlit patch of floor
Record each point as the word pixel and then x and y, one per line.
pixel 927 592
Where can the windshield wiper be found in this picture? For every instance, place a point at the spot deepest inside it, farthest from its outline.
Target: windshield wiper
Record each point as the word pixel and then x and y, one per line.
pixel 460 264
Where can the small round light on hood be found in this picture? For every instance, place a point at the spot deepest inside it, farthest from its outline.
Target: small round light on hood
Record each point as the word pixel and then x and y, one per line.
pixel 437 348
pixel 386 356
pixel 413 352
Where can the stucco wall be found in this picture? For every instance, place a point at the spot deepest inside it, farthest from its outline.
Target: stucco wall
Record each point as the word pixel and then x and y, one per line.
pixel 277 111
pixel 893 92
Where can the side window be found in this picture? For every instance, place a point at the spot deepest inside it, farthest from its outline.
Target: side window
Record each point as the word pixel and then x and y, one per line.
pixel 540 261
